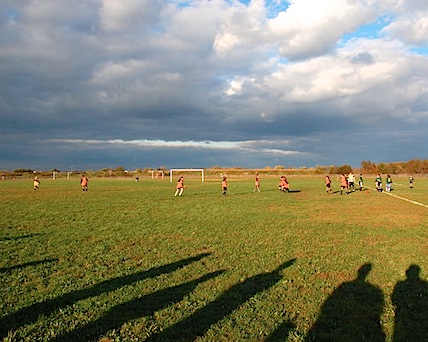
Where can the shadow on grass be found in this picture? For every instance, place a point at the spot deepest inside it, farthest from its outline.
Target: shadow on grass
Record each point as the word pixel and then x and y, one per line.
pixel 231 193
pixel 199 323
pixel 28 264
pixel 410 298
pixel 346 192
pixel 351 313
pixel 277 190
pixel 281 333
pixel 31 313
pixel 288 191
pixel 141 307
pixel 16 238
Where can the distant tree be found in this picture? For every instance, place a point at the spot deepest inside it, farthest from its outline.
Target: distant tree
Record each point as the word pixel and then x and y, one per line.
pixel 395 168
pixel 415 166
pixel 279 167
pixel 320 169
pixel 343 169
pixel 368 167
pixel 332 169
pixel 23 171
pixel 382 168
pixel 425 166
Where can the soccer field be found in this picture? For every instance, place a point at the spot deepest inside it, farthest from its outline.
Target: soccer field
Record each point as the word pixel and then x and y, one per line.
pixel 128 261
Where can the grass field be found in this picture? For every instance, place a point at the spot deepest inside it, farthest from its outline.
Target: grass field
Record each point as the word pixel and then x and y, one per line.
pixel 128 261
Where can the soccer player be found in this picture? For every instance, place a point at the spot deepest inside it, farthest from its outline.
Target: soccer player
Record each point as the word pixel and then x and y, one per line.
pixel 328 184
pixel 179 187
pixel 224 185
pixel 378 182
pixel 84 183
pixel 286 184
pixel 388 183
pixel 343 183
pixel 283 184
pixel 36 183
pixel 351 182
pixel 257 183
pixel 360 182
pixel 411 181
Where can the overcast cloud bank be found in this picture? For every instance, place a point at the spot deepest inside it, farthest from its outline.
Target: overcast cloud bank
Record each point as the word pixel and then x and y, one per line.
pixel 136 83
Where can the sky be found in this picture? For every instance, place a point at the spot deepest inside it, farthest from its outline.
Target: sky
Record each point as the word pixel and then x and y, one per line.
pixel 93 84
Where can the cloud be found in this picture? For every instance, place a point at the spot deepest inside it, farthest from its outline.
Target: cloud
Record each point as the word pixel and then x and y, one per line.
pixel 123 15
pixel 410 23
pixel 176 75
pixel 254 146
pixel 310 27
pixel 266 117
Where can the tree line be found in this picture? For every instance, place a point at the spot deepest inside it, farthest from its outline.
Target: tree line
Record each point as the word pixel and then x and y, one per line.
pixel 414 166
pixel 411 166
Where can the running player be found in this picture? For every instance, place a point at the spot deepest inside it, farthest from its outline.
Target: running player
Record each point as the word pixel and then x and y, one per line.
pixel 328 184
pixel 84 183
pixel 343 183
pixel 179 187
pixel 224 185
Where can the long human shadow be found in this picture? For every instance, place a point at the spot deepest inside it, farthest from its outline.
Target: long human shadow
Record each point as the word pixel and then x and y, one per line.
pixel 30 314
pixel 410 298
pixel 28 264
pixel 199 323
pixel 351 313
pixel 141 307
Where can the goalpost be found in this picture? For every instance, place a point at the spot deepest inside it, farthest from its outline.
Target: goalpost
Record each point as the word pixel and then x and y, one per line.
pixel 158 172
pixel 185 170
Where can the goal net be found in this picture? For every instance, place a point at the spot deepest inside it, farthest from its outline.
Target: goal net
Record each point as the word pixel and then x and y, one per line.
pixel 186 170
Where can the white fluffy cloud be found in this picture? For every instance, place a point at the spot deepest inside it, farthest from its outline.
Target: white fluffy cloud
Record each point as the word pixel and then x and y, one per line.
pixel 311 27
pixel 410 22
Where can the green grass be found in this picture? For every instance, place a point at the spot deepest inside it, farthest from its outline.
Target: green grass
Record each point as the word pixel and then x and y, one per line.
pixel 129 261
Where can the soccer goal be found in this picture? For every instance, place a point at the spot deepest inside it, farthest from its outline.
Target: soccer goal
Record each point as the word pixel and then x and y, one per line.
pixel 186 170
pixel 158 173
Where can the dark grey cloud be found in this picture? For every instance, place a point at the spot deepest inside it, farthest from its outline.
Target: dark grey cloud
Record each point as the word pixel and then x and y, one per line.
pixel 102 83
pixel 364 58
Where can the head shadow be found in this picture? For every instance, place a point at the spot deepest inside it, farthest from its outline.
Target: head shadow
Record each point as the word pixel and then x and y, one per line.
pixel 410 299
pixel 351 313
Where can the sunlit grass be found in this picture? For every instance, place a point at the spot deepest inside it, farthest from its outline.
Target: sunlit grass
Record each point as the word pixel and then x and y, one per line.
pixel 129 261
